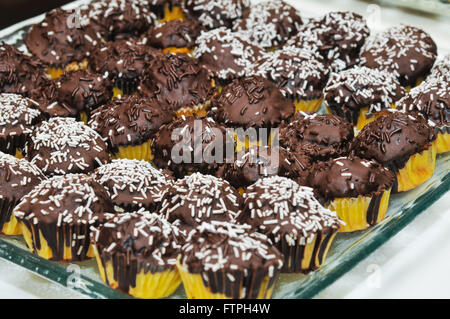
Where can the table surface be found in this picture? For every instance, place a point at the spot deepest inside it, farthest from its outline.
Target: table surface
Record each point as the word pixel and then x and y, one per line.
pixel 412 264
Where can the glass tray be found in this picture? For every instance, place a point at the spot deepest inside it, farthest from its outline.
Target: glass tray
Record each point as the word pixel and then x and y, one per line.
pixel 346 251
pixel 439 7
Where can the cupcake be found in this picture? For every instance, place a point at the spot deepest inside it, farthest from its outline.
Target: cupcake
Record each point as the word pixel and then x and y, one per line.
pixel 189 145
pixel 19 73
pixel 17 178
pixel 167 10
pixel 269 24
pixel 432 100
pixel 225 54
pixel 133 184
pixel 402 142
pixel 299 74
pixel 74 94
pixel 336 36
pixel 213 14
pixel 359 94
pixel 441 69
pixel 62 145
pixel 123 62
pixel 356 189
pixel 199 198
pixel 61 45
pixel 289 214
pixel 57 215
pixel 225 261
pixel 252 103
pixel 318 136
pixel 136 253
pixel 175 36
pixel 18 117
pixel 129 124
pixel 404 51
pixel 178 82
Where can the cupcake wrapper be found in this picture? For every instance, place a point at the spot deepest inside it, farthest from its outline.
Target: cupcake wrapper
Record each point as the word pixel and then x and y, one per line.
pixel 417 170
pixel 63 243
pixel 409 87
pixel 142 152
pixel 443 141
pixel 134 279
pixel 307 105
pixel 360 212
pixel 13 145
pixel 255 286
pixel 176 50
pixel 364 118
pixel 126 86
pixel 247 143
pixel 55 72
pixel 172 13
pixel 8 222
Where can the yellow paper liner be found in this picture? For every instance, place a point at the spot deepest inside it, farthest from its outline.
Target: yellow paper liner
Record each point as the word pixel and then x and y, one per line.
pixel 142 152
pixel 364 119
pixel 408 87
pixel 56 72
pixel 417 169
pixel 175 14
pixel 117 92
pixel 442 142
pixel 354 211
pixel 176 50
pixel 19 153
pixel 9 223
pixel 12 227
pixel 307 105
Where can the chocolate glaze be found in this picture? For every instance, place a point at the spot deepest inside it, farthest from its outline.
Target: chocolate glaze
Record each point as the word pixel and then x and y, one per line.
pixel 350 90
pixel 174 33
pixel 231 260
pixel 177 80
pixel 63 209
pixel 251 102
pixel 404 51
pixel 318 136
pixel 131 120
pixel 62 145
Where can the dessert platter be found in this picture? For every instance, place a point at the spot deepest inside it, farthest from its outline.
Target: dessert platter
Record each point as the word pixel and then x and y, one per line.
pixel 351 142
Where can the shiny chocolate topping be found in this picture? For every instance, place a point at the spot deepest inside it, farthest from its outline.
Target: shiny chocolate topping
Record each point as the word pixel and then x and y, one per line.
pixel 174 33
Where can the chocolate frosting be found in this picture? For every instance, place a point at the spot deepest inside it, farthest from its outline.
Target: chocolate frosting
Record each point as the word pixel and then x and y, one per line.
pixel 269 24
pixel 210 137
pixel 18 72
pixel 131 120
pixel 200 198
pixel 393 138
pixel 241 259
pixel 177 80
pixel 349 177
pixel 404 51
pixel 299 74
pixel 318 136
pixel 133 184
pixel 336 36
pixel 226 54
pixel 55 42
pixel 62 145
pixel 251 102
pixel 174 33
pixel 64 206
pixel 213 14
pixel 350 90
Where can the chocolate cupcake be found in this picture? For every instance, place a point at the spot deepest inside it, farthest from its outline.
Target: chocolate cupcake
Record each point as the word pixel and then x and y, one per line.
pixel 129 125
pixel 356 189
pixel 167 10
pixel 441 69
pixel 293 219
pixel 62 41
pixel 224 260
pixel 261 162
pixel 57 215
pixel 199 198
pixel 74 94
pixel 17 178
pixel 225 54
pixel 123 62
pixel 212 14
pixel 189 145
pixel 18 117
pixel 336 36
pixel 432 100
pixel 402 142
pixel 175 36
pixel 62 145
pixel 251 102
pixel 19 73
pixel 404 51
pixel 137 252
pixel 318 136
pixel 359 94
pixel 179 82
pixel 133 184
pixel 269 24
pixel 299 74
